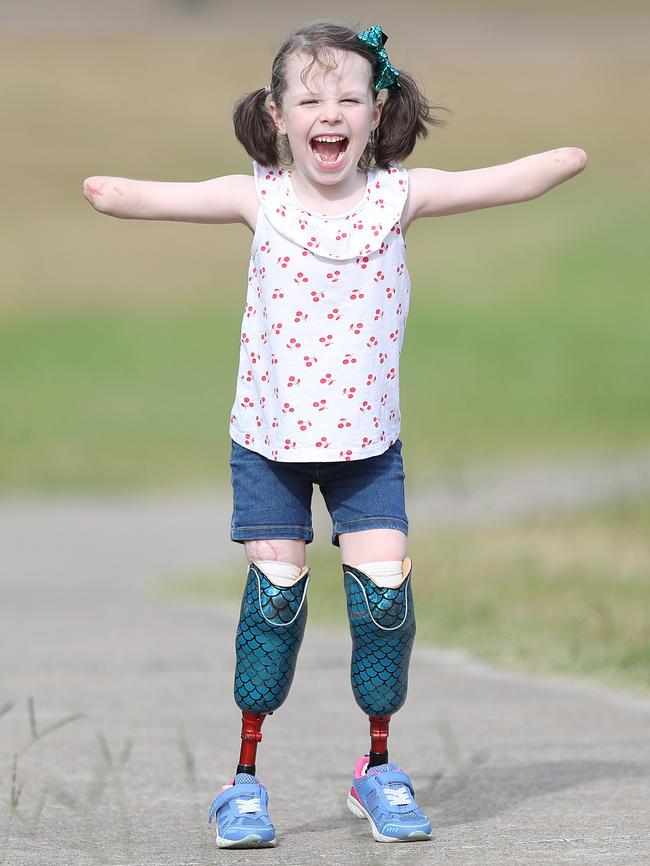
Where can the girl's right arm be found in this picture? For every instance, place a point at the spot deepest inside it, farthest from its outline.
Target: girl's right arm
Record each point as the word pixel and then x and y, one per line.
pixel 229 199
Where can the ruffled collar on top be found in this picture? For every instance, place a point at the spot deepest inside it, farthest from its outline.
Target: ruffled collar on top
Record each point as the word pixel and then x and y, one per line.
pixel 359 232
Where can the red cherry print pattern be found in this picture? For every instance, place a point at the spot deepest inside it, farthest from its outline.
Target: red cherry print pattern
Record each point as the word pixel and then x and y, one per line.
pixel 316 296
pixel 327 340
pixel 320 405
pixel 300 278
pixel 262 402
pixel 277 294
pixel 398 310
pixel 349 392
pixel 289 444
pixel 300 316
pixel 287 408
pixel 356 294
pixel 274 454
pixel 392 415
pixel 266 247
pixel 283 261
pixel 391 373
pixel 334 276
pixel 376 230
pixel 356 328
pixel 358 225
pixel 265 376
pixel 293 344
pixel 282 210
pixel 362 261
pixel 389 292
pixel 250 311
pixel 248 377
pixel 379 314
pixel 371 379
pixel 264 337
pixel 322 442
pixel 343 422
pixel 384 399
pixel 341 235
pixel 394 335
pixel 349 358
pixel 274 359
pixel 293 382
pixel 335 315
pixel 365 442
pixel 375 421
pixel 277 327
pixel 382 357
pixel 327 379
pixel 400 269
pixel 365 407
pixel 302 223
pixel 247 403
pixel 303 425
pixel 345 455
pixel 254 357
pixel 249 439
pixel 312 243
pixel 372 343
pixel 310 360
pixel 275 423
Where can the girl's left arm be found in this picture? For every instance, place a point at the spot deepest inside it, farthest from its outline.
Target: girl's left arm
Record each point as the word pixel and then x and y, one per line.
pixel 437 193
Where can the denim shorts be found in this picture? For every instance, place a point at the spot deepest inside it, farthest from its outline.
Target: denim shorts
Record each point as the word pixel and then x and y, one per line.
pixel 272 499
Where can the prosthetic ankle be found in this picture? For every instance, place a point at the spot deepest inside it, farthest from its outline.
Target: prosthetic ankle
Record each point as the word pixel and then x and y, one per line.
pixel 382 625
pixel 271 627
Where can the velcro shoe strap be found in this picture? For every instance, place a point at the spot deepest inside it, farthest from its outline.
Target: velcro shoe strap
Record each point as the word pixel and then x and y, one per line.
pixel 394 776
pixel 230 794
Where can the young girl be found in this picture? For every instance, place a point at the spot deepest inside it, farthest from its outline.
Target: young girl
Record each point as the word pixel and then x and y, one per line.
pixel 317 399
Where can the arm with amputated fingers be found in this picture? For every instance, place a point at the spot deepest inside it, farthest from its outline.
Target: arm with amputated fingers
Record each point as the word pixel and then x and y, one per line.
pixel 433 192
pixel 228 199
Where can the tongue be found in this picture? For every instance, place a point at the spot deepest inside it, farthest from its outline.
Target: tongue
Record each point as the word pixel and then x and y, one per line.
pixel 328 151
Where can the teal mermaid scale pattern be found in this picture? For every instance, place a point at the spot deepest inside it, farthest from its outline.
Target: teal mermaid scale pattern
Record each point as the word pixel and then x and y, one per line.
pixel 270 631
pixel 382 625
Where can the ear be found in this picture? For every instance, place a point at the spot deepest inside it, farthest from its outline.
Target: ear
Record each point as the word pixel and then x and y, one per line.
pixel 276 114
pixel 376 114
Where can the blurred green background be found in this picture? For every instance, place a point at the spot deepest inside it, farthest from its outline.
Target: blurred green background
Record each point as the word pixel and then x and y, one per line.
pixel 529 326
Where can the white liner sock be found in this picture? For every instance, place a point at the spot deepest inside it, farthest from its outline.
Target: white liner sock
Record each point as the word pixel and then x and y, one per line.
pixel 388 574
pixel 283 574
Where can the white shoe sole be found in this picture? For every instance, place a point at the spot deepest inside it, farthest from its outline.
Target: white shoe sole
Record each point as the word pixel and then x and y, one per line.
pixel 250 841
pixel 357 809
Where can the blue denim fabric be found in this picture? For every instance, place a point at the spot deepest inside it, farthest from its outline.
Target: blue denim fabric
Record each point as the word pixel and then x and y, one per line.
pixel 272 499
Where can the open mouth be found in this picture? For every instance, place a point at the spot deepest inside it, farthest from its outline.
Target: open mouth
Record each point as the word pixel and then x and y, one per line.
pixel 329 150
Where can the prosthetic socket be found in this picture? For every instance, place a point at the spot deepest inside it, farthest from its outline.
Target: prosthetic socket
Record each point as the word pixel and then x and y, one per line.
pixel 382 625
pixel 271 628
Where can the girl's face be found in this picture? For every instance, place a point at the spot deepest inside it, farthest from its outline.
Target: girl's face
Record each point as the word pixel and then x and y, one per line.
pixel 329 116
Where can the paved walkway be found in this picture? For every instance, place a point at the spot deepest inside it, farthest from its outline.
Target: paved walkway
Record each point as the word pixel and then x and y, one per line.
pixel 512 769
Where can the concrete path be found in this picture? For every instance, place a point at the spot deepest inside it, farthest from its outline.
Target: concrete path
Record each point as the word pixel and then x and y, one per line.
pixel 512 769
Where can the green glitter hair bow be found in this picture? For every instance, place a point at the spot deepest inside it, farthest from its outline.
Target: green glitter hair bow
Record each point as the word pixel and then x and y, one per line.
pixel 374 38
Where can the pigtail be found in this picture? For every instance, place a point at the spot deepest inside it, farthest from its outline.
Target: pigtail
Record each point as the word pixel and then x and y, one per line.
pixel 404 119
pixel 255 129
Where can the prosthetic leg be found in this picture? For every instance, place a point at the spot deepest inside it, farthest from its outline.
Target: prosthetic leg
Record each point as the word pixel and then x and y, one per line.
pixel 382 625
pixel 270 632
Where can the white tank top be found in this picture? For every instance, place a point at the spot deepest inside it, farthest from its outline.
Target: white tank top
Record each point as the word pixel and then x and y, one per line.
pixel 323 324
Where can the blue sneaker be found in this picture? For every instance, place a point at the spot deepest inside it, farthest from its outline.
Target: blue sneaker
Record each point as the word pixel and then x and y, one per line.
pixel 384 795
pixel 242 817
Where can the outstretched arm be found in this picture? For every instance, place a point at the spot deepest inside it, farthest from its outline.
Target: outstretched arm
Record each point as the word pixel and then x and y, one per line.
pixel 228 199
pixel 438 193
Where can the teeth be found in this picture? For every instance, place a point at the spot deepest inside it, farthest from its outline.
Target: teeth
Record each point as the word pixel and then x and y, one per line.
pixel 329 138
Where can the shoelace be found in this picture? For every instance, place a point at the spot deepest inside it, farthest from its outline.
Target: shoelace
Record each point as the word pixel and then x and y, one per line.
pixel 398 796
pixel 250 805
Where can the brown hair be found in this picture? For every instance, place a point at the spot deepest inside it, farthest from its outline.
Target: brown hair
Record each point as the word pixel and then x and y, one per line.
pixel 404 118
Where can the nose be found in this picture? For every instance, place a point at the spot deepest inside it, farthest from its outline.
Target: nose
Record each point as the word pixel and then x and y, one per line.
pixel 330 111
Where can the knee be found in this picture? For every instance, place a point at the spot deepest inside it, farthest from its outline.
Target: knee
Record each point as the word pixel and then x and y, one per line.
pixel 276 549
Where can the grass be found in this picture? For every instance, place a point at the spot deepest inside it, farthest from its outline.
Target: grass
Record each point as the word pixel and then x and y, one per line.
pixel 567 595
pixel 118 340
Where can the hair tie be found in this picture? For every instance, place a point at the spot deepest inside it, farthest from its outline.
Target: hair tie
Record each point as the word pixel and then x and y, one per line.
pixel 374 38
